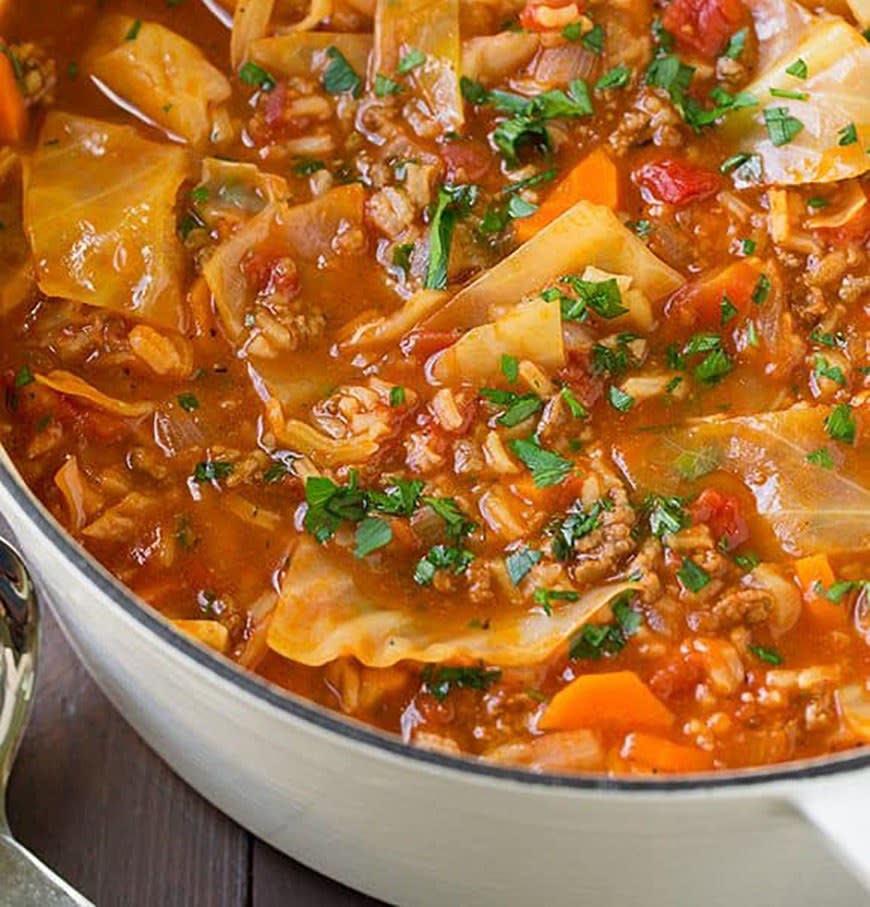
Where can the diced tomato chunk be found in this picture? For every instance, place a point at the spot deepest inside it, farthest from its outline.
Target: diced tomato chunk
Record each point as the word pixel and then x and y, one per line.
pixel 705 25
pixel 723 514
pixel 550 15
pixel 677 182
pixel 466 160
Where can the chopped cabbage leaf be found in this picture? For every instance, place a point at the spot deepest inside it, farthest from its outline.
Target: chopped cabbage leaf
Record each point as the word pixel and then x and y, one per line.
pixel 250 23
pixel 72 386
pixel 323 614
pixel 161 74
pixel 809 508
pixel 301 54
pixel 837 59
pixel 303 232
pixel 431 27
pixel 211 633
pixel 532 331
pixel 99 208
pixel 383 329
pixel 779 25
pixel 304 439
pixel 585 235
pixel 17 279
pixel 232 191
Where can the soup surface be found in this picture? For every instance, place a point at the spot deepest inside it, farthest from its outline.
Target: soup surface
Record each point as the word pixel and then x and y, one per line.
pixel 494 374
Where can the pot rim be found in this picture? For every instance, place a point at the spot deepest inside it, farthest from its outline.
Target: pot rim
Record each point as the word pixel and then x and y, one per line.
pixel 353 731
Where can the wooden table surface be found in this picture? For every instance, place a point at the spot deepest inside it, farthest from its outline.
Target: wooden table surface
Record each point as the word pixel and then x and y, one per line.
pixel 90 799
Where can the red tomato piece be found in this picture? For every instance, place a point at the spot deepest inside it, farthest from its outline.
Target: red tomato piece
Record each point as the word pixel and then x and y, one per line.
pixel 677 182
pixel 705 25
pixel 466 160
pixel 723 514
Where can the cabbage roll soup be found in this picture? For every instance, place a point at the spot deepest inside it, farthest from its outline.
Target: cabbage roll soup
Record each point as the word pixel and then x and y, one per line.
pixel 492 374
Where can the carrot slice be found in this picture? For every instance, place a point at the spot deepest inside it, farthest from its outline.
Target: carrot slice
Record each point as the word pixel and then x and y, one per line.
pixel 13 113
pixel 594 179
pixel 815 576
pixel 814 572
pixel 619 700
pixel 663 755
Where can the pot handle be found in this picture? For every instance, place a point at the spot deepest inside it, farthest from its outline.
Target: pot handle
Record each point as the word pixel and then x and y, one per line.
pixel 28 883
pixel 835 810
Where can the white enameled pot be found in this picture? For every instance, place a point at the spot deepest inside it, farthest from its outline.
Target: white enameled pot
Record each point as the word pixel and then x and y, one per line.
pixel 417 828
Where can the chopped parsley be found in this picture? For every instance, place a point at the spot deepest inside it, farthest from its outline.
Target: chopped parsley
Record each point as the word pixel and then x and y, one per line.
pixel 691 576
pixel 840 424
pixel 848 135
pixel 188 402
pixel 519 406
pixel 577 524
pixel 619 399
pixel 212 471
pixel 547 468
pixel 510 367
pixel 798 69
pixel 736 44
pixel 617 77
pixel 770 656
pixel 385 86
pixel 453 203
pixel 339 76
pixel 546 597
pixel 254 75
pixel 603 297
pixel 397 396
pixel 371 534
pixel 822 368
pixel 595 640
pixel 821 457
pixel 520 562
pixel 781 126
pixel 439 681
pixel 411 60
pixel 330 504
pixel 441 557
pixel 666 514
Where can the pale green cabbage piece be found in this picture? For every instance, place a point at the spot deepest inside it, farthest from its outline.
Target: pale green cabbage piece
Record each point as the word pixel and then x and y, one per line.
pixel 303 53
pixel 809 508
pixel 531 331
pixel 432 27
pixel 160 74
pixel 585 235
pixel 99 209
pixel 305 233
pixel 837 86
pixel 323 614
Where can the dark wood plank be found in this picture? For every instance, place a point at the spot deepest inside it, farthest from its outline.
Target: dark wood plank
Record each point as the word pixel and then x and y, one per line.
pixel 98 806
pixel 277 881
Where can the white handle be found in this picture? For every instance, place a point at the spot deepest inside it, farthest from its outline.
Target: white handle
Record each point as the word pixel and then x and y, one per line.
pixel 839 810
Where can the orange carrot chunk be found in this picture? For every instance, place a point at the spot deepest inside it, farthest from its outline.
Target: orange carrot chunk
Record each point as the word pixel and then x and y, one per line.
pixel 618 701
pixel 13 114
pixel 814 574
pixel 815 577
pixel 594 179
pixel 662 755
